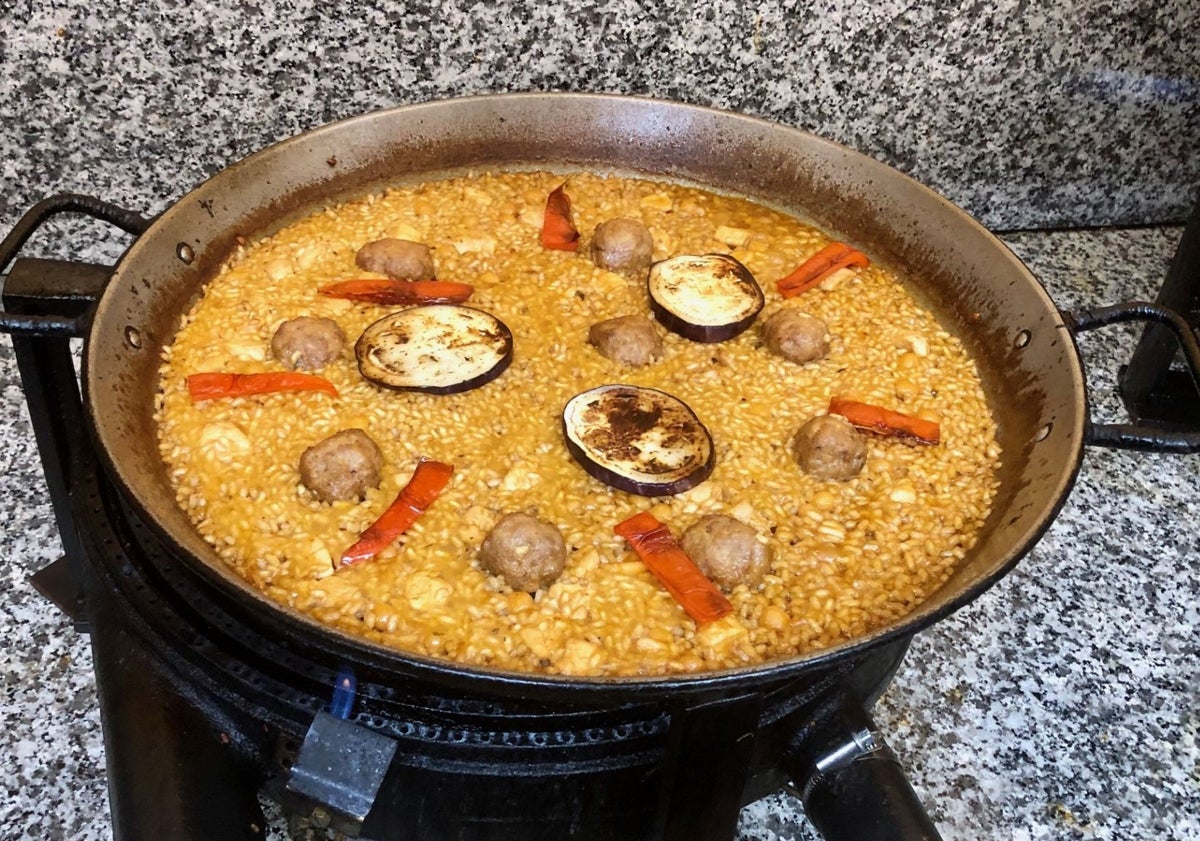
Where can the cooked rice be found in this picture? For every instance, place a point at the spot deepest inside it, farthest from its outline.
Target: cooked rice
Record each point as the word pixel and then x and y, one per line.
pixel 848 557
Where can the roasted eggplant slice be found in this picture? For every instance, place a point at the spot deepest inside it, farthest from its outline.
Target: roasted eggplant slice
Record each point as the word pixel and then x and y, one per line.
pixel 438 349
pixel 704 297
pixel 639 440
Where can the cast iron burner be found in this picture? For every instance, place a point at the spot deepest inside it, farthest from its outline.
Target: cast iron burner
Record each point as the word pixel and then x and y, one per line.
pixel 205 704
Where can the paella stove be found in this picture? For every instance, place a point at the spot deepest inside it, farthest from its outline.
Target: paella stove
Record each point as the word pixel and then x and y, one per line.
pixel 203 706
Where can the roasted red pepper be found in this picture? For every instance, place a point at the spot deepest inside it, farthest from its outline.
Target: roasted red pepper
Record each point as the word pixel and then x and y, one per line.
pixel 426 484
pixel 831 258
pixel 885 421
pixel 399 292
pixel 558 231
pixel 213 386
pixel 673 568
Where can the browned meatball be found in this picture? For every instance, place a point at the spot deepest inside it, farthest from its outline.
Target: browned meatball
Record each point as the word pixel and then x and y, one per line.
pixel 399 259
pixel 622 245
pixel 828 447
pixel 726 550
pixel 308 344
pixel 628 339
pixel 796 336
pixel 342 467
pixel 526 552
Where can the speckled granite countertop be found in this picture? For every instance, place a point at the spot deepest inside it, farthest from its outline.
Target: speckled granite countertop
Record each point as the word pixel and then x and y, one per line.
pixel 1061 704
pixel 1082 112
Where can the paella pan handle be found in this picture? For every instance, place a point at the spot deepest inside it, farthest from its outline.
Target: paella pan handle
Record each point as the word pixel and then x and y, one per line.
pixel 1135 436
pixel 59 325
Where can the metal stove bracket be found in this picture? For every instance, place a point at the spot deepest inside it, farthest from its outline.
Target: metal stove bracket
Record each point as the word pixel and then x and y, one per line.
pixel 338 774
pixel 1155 392
pixel 62 291
pixel 47 303
pixel 697 804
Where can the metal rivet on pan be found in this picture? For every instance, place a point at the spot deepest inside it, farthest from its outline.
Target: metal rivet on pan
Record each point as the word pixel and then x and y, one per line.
pixel 133 338
pixel 185 253
pixel 1022 339
pixel 1043 433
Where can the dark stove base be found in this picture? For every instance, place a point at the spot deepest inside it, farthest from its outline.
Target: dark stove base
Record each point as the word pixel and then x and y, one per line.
pixel 189 768
pixel 186 762
pixel 196 726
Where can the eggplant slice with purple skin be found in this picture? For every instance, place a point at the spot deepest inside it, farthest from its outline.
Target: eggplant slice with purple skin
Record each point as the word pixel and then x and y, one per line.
pixel 437 349
pixel 704 297
pixel 639 440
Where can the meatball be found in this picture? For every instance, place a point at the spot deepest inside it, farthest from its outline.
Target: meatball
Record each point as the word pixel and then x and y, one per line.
pixel 726 550
pixel 628 339
pixel 526 552
pixel 796 336
pixel 622 245
pixel 828 447
pixel 308 344
pixel 399 259
pixel 342 467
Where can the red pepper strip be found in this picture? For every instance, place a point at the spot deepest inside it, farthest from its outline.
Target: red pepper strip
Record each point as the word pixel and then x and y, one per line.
pixel 427 482
pixel 558 231
pixel 674 570
pixel 212 386
pixel 831 258
pixel 399 292
pixel 885 421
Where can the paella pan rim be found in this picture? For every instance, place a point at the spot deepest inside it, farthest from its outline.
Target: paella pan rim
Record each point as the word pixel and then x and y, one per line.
pixel 976 285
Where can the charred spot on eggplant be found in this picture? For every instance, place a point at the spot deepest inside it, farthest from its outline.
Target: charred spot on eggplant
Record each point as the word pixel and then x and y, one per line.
pixel 639 440
pixel 437 349
pixel 704 297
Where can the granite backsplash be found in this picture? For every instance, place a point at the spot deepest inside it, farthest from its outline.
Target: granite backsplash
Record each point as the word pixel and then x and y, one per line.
pixel 1029 115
